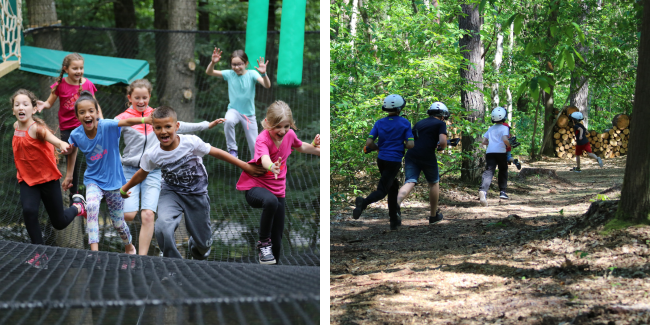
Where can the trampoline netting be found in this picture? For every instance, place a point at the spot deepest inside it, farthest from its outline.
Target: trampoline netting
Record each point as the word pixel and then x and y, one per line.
pixel 234 222
pixel 74 286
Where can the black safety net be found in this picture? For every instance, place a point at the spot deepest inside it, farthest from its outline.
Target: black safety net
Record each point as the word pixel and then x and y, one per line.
pixel 234 223
pixel 74 286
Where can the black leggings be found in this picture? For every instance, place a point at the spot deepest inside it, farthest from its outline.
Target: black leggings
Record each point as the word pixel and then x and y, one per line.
pixel 272 221
pixel 50 194
pixel 493 160
pixel 388 185
pixel 65 135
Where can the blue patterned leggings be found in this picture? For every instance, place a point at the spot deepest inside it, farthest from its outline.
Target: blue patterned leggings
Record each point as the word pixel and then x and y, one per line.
pixel 115 204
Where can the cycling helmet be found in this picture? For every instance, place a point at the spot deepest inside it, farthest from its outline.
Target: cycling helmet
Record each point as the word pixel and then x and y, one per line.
pixel 577 116
pixel 499 114
pixel 393 103
pixel 438 109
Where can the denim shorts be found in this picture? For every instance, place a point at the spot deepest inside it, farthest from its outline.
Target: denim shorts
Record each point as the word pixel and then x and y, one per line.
pixel 148 191
pixel 508 155
pixel 413 167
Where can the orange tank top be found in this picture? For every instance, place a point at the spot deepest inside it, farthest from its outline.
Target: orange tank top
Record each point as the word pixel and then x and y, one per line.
pixel 34 159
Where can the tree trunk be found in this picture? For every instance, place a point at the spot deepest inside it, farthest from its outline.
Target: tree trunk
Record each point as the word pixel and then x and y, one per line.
pixel 43 13
pixel 581 97
pixel 353 21
pixel 548 100
pixel 508 92
pixel 204 58
pixel 498 58
pixel 128 45
pixel 471 74
pixel 180 92
pixel 161 21
pixel 635 194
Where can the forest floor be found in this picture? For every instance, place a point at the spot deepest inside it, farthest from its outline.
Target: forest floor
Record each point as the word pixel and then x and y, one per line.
pixel 537 258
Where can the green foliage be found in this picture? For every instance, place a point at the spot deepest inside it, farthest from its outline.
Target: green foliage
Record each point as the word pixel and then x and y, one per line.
pixel 600 197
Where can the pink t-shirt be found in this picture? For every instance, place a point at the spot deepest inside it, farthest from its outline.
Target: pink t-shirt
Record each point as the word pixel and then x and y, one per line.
pixel 264 146
pixel 68 95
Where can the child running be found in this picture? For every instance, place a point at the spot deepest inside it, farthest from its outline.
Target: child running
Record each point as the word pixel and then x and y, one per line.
pixel 138 139
pixel 241 92
pixel 272 149
pixel 99 140
pixel 38 176
pixel 430 136
pixel 582 143
pixel 184 184
pixel 68 90
pixel 394 133
pixel 496 140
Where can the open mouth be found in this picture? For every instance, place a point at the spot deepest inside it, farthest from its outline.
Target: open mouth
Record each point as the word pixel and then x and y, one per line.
pixel 165 139
pixel 21 115
pixel 88 123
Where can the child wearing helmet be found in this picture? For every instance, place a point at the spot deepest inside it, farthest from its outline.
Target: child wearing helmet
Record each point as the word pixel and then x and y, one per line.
pixel 582 143
pixel 393 131
pixel 430 134
pixel 496 140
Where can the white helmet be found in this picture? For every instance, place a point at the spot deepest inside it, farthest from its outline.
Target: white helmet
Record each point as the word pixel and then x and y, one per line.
pixel 577 116
pixel 499 114
pixel 438 109
pixel 393 103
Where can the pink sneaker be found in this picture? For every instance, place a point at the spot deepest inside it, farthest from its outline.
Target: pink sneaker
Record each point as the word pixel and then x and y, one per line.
pixel 39 261
pixel 80 203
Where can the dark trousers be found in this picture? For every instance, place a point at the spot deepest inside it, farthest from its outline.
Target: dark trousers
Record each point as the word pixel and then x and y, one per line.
pixel 492 161
pixel 65 135
pixel 388 185
pixel 272 221
pixel 50 194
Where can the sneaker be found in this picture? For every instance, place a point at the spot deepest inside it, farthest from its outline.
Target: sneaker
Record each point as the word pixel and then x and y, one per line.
pixel 39 261
pixel 503 195
pixel 395 222
pixel 436 219
pixel 517 164
pixel 265 253
pixel 358 203
pixel 600 162
pixel 233 152
pixel 575 169
pixel 482 196
pixel 79 201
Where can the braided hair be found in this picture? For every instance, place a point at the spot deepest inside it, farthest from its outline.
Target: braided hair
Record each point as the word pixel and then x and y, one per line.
pixel 67 60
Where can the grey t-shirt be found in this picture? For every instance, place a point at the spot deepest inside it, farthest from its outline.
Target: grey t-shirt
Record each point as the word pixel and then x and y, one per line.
pixel 182 168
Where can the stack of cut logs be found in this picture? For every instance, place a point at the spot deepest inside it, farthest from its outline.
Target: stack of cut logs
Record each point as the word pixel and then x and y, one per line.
pixel 608 144
pixel 454 132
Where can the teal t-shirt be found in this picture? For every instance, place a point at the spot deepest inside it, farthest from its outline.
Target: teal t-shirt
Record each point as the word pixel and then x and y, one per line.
pixel 241 90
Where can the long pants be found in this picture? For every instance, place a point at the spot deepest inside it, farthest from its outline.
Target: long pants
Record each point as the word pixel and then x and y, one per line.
pixel 171 207
pixel 65 135
pixel 50 194
pixel 115 205
pixel 272 220
pixel 492 161
pixel 388 185
pixel 249 125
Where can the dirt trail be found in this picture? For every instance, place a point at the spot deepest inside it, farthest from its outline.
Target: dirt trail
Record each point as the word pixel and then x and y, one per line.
pixel 527 260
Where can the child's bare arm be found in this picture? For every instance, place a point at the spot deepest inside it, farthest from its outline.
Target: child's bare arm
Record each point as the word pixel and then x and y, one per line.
pixel 442 141
pixel 410 144
pixel 134 121
pixel 505 141
pixel 308 148
pixel 580 133
pixel 216 56
pixel 253 170
pixel 370 143
pixel 40 105
pixel 49 137
pixel 72 158
pixel 137 178
pixel 485 141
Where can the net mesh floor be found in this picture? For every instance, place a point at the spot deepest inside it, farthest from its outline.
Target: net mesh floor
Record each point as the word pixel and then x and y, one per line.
pixel 73 286
pixel 234 223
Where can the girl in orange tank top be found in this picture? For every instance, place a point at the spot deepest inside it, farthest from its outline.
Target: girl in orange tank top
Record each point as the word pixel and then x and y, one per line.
pixel 38 176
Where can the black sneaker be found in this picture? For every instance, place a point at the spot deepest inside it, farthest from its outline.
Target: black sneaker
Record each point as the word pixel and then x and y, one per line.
pixel 435 219
pixel 575 169
pixel 395 222
pixel 265 253
pixel 503 195
pixel 358 203
pixel 517 164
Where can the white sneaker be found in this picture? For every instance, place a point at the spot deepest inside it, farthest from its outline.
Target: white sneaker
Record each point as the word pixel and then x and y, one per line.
pixel 483 198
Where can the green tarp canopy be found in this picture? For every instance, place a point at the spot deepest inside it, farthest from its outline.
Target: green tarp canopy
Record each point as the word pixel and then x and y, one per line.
pixel 101 70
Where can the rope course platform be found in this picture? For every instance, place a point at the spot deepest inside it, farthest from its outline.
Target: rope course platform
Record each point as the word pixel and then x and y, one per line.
pixel 72 286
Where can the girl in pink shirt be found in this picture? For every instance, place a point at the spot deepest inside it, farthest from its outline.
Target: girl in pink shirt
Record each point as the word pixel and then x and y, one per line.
pixel 67 90
pixel 272 148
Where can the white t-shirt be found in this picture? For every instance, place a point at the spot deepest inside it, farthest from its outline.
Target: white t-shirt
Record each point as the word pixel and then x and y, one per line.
pixel 182 168
pixel 495 137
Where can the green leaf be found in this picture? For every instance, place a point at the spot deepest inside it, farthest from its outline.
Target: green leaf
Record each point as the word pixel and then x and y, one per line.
pixel 529 48
pixel 560 61
pixel 544 83
pixel 581 35
pixel 482 6
pixel 570 61
pixel 553 30
pixel 519 22
pixel 578 54
pixel 522 88
pixel 534 88
pixel 511 19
